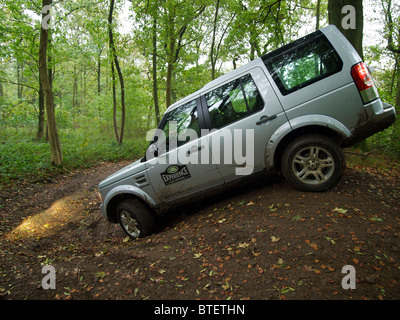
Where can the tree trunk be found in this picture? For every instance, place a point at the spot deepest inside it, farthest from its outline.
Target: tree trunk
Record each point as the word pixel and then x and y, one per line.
pixel 20 79
pixel 40 131
pixel 173 47
pixel 114 93
pixel 318 14
pixel 335 16
pixel 355 36
pixel 75 92
pixel 212 58
pixel 120 77
pixel 391 45
pixel 397 103
pixel 98 77
pixel 168 84
pixel 155 88
pixel 54 141
pixel 99 74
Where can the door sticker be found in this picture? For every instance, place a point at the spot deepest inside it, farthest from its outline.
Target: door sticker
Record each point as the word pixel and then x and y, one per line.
pixel 174 174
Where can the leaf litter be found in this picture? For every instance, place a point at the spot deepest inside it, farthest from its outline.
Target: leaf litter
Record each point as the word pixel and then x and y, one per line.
pixel 260 241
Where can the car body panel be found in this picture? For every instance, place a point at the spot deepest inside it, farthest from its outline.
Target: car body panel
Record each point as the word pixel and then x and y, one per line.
pixel 328 102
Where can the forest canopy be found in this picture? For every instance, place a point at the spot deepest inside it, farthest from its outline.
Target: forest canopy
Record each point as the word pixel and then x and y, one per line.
pixel 114 66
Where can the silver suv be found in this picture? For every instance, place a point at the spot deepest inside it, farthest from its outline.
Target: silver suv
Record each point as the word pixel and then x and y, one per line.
pixel 292 110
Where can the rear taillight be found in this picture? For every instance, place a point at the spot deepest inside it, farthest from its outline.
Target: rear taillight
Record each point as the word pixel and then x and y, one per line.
pixel 364 82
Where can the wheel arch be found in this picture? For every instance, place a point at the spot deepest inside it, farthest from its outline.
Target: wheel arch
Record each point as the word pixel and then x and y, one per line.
pixel 308 129
pixel 122 193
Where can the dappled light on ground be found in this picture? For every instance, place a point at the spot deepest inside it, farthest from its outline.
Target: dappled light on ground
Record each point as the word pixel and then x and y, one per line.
pixel 49 222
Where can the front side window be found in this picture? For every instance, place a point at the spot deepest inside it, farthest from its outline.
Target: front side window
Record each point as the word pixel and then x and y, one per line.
pixel 233 101
pixel 176 124
pixel 303 64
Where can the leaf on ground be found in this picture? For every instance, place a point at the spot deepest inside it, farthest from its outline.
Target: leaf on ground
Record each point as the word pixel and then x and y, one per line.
pixel 275 239
pixel 243 245
pixel 340 210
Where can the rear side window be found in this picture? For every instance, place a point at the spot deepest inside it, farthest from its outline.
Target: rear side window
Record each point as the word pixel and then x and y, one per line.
pixel 233 101
pixel 302 63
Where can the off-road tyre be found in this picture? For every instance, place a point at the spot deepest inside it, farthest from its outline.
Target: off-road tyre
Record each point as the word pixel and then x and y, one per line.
pixel 313 163
pixel 135 218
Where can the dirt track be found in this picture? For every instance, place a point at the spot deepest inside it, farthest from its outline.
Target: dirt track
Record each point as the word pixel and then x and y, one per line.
pixel 263 241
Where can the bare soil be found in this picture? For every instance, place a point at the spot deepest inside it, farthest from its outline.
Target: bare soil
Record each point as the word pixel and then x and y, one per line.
pixel 261 241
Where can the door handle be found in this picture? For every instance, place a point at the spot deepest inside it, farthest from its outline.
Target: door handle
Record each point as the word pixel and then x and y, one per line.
pixel 194 149
pixel 264 119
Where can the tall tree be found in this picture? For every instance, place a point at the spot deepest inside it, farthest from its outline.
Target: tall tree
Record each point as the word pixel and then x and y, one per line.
pixel 222 21
pixel 54 141
pixel 41 113
pixel 114 61
pixel 354 35
pixel 392 28
pixel 335 16
pixel 154 71
pixel 318 14
pixel 147 39
pixel 178 18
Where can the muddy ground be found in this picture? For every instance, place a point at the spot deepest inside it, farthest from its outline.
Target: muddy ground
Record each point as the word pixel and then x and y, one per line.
pixel 261 241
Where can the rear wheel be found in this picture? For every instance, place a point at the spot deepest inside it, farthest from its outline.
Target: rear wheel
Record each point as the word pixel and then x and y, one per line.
pixel 313 163
pixel 135 218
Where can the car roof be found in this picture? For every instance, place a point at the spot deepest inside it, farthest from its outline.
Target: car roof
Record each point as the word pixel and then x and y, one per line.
pixel 328 30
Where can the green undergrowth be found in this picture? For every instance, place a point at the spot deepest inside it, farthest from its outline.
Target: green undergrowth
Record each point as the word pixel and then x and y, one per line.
pixel 23 158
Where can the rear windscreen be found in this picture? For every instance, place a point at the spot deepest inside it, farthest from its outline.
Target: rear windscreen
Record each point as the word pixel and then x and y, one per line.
pixel 302 63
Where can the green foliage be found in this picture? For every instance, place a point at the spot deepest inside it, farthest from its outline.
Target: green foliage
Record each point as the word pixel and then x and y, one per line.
pixel 23 158
pixel 386 142
pixel 194 40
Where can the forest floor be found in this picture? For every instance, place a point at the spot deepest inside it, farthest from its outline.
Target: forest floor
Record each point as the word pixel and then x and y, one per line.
pixel 261 241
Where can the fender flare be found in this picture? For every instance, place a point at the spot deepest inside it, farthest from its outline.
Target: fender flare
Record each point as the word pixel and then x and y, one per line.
pixel 317 120
pixel 126 190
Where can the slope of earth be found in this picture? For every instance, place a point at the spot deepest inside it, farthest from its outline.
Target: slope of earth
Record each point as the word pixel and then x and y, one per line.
pixel 261 241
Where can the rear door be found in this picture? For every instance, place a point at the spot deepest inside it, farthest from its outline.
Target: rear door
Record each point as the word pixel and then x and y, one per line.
pixel 243 114
pixel 182 166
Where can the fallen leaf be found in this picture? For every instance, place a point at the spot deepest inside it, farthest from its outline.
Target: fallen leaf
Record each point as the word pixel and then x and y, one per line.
pixel 226 286
pixel 243 245
pixel 275 239
pixel 340 210
pixel 377 268
pixel 256 254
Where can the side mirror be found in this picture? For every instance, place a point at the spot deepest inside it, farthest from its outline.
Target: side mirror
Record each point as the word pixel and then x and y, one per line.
pixel 151 152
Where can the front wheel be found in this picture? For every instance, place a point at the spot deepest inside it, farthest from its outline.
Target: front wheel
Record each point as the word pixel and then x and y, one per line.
pixel 135 218
pixel 313 163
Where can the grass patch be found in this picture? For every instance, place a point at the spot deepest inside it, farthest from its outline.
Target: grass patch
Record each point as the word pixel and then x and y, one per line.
pixel 22 158
pixel 367 161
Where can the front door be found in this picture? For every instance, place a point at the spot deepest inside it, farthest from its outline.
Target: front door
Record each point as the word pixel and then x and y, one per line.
pixel 182 164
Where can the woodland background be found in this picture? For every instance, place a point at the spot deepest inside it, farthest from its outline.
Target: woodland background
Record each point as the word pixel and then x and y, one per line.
pixel 89 87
